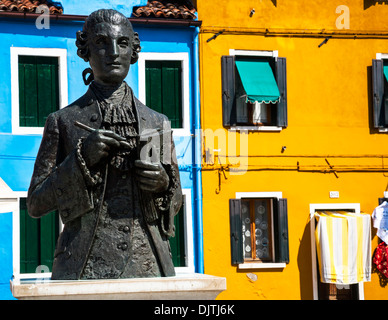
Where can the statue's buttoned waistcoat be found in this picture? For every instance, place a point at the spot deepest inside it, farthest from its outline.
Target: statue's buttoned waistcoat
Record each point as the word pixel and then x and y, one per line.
pixel 121 247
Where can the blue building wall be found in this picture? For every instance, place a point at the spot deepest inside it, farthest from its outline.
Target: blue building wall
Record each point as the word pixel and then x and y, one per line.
pixel 86 7
pixel 18 152
pixel 5 254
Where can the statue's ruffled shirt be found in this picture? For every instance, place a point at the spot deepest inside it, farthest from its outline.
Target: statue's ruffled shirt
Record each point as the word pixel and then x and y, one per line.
pixel 116 108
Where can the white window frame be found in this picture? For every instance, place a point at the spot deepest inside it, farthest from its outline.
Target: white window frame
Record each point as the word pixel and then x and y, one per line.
pixel 261 265
pixel 169 56
pixel 61 54
pixel 255 53
pixel 314 207
pixel 189 236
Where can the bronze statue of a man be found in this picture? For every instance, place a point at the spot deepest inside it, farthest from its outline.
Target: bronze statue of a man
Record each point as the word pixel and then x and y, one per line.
pixel 117 201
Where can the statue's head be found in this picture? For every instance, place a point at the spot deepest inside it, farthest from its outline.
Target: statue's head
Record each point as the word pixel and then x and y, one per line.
pixel 109 44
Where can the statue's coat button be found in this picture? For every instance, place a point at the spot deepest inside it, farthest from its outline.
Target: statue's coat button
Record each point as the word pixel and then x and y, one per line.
pixel 94 117
pixel 123 246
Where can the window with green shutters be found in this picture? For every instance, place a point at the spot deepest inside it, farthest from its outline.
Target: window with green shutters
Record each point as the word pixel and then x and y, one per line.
pixel 38 239
pixel 254 90
pixel 164 89
pixel 177 243
pixel 38 89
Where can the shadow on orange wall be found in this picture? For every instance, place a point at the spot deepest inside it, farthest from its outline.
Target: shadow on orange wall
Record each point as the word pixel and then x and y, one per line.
pixel 304 265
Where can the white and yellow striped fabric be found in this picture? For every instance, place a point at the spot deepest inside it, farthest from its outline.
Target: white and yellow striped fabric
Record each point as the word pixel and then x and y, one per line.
pixel 343 241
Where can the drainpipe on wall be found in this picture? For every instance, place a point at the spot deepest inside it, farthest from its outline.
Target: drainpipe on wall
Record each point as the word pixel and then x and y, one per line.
pixel 197 159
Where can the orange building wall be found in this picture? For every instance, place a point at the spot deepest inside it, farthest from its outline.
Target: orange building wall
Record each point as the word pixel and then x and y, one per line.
pixel 329 117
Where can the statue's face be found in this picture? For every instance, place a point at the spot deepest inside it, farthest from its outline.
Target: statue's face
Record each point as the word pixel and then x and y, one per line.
pixel 110 50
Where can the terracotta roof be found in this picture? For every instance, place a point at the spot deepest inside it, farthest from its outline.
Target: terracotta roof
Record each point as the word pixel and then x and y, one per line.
pixel 169 9
pixel 29 6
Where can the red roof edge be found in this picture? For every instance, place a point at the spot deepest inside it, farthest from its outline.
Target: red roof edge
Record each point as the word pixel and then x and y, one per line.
pixel 69 17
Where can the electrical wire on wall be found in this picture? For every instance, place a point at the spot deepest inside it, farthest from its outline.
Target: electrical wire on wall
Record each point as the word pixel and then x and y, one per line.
pixel 327 167
pixel 296 33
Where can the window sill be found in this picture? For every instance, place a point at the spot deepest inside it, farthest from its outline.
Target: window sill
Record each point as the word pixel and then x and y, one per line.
pixel 261 265
pixel 383 130
pixel 256 128
pixel 27 130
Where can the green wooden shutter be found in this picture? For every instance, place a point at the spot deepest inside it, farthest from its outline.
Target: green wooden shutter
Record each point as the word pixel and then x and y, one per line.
pixel 281 79
pixel 229 115
pixel 38 239
pixel 281 230
pixel 236 236
pixel 38 89
pixel 177 243
pixel 164 89
pixel 29 246
pixel 49 231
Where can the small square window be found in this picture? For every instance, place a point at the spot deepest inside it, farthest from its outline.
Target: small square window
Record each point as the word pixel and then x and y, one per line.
pixel 259 230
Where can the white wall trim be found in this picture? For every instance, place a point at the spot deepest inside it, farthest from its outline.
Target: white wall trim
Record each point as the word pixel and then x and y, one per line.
pixel 189 236
pixel 16 238
pixel 169 56
pixel 261 265
pixel 63 93
pixel 258 53
pixel 276 194
pixel 381 56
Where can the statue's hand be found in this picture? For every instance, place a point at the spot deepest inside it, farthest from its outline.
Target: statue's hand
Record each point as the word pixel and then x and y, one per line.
pixel 98 145
pixel 151 177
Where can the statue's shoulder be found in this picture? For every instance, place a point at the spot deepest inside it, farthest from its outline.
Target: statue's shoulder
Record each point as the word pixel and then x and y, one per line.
pixel 148 113
pixel 77 105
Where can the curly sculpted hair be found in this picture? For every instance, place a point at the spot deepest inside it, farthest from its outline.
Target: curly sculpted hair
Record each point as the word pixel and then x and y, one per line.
pixel 108 16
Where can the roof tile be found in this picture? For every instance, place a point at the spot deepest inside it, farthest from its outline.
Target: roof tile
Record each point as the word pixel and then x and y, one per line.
pixel 166 9
pixel 28 6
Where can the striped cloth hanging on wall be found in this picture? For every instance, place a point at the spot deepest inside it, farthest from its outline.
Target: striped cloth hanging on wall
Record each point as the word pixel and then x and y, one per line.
pixel 343 241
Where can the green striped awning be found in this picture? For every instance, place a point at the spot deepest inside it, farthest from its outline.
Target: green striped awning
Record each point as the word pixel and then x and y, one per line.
pixel 258 80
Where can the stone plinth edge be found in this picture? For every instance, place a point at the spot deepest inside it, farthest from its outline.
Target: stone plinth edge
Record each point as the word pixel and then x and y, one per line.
pixel 180 287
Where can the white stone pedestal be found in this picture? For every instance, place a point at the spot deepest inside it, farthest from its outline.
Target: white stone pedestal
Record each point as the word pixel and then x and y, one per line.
pixel 181 287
